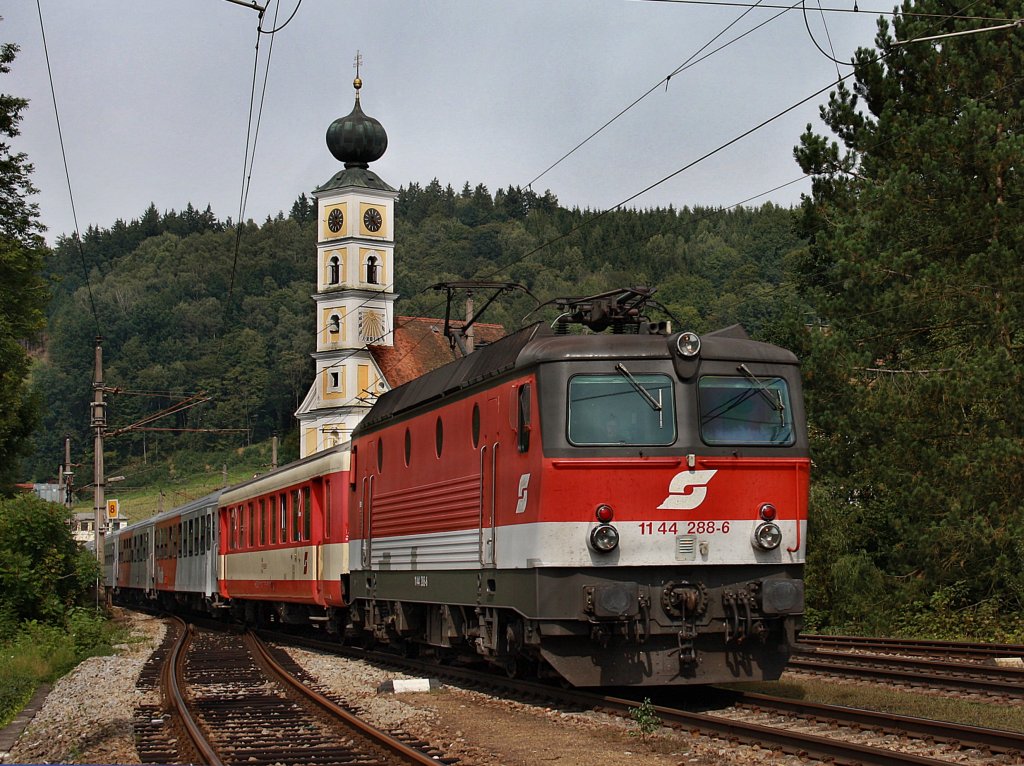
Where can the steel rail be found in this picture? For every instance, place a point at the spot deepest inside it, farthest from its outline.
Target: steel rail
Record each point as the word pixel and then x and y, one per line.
pixel 984 678
pixel 925 646
pixel 793 742
pixel 996 740
pixel 406 753
pixel 170 676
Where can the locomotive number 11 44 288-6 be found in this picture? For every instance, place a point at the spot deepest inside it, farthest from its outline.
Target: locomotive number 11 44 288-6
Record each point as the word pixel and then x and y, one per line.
pixel 689 527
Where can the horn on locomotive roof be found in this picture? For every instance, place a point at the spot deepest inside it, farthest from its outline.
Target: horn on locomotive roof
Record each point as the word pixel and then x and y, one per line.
pixel 462 336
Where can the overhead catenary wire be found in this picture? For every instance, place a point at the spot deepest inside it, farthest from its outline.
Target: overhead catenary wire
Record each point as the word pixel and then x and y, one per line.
pixel 288 21
pixel 855 10
pixel 252 132
pixel 689 62
pixel 721 147
pixel 67 173
pixel 741 136
pixel 831 56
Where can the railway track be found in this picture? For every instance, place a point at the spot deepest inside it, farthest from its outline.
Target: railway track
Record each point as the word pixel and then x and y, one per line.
pixel 826 733
pixel 919 647
pixel 914 663
pixel 235 703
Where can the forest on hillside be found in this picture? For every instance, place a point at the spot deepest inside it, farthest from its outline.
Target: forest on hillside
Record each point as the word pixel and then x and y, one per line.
pixel 180 312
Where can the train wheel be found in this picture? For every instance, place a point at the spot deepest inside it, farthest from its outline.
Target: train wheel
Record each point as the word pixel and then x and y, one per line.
pixel 444 656
pixel 518 666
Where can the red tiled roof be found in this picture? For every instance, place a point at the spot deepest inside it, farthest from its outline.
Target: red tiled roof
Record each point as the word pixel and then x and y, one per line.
pixel 420 346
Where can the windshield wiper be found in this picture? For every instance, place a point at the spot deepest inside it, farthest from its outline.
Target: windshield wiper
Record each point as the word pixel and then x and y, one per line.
pixel 762 388
pixel 655 405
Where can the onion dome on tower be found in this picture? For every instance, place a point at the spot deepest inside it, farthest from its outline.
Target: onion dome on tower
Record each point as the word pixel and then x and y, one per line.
pixel 357 140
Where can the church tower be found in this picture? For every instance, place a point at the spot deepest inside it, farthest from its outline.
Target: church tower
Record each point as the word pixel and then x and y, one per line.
pixel 355 283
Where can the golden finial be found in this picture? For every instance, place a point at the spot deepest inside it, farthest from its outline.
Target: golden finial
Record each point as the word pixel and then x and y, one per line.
pixel 357 83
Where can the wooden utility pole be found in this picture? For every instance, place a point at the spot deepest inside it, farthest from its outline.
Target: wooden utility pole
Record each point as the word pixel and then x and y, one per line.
pixel 99 426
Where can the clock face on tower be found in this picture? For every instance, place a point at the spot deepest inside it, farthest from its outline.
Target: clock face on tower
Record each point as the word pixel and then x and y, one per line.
pixel 372 219
pixel 335 220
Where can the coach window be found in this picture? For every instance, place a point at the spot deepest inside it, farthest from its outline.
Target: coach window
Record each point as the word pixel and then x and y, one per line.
pixel 252 525
pixel 179 545
pixel 327 509
pixel 296 516
pixel 747 410
pixel 476 426
pixel 622 409
pixel 209 531
pixel 307 514
pixel 263 521
pixel 282 500
pixel 438 436
pixel 202 535
pixel 380 456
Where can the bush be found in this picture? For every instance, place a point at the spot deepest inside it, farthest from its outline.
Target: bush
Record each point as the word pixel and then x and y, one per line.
pixel 44 652
pixel 948 614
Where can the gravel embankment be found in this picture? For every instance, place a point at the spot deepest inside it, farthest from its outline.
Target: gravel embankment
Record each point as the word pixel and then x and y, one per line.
pixel 87 718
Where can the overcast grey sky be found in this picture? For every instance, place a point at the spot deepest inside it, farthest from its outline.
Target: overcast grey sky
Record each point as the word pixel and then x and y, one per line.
pixel 154 98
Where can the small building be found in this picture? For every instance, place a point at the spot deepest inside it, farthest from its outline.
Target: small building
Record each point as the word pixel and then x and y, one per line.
pixel 83 526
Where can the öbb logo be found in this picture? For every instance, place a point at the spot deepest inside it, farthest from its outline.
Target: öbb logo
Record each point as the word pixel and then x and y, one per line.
pixel 687 490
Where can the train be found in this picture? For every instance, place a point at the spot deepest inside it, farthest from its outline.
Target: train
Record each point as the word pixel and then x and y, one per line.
pixel 604 509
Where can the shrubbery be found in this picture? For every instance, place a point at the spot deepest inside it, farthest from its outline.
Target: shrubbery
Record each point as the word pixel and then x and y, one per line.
pixel 43 652
pixel 46 581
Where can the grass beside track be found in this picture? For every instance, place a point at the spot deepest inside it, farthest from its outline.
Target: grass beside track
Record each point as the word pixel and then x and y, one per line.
pixel 922 704
pixel 151 489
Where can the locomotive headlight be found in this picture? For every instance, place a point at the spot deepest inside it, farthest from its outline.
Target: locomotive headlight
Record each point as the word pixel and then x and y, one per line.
pixel 767 536
pixel 605 538
pixel 688 344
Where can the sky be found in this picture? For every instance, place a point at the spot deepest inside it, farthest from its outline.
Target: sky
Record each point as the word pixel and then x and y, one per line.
pixel 153 98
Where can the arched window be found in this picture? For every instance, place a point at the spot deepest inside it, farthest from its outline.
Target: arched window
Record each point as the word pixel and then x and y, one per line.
pixel 372 270
pixel 334 266
pixel 334 324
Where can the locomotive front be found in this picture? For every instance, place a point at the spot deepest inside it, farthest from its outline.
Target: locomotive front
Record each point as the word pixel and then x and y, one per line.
pixel 612 509
pixel 668 522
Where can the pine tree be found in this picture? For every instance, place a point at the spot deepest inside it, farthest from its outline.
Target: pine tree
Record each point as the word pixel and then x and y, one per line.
pixel 22 292
pixel 916 389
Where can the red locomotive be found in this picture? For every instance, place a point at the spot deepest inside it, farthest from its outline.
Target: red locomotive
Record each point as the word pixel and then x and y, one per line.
pixel 611 509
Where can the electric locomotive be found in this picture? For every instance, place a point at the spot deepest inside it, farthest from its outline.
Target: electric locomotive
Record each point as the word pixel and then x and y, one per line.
pixel 611 509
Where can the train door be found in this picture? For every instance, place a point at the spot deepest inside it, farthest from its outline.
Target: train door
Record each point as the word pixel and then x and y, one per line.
pixel 210 542
pixel 489 447
pixel 150 553
pixel 115 567
pixel 315 531
pixel 366 505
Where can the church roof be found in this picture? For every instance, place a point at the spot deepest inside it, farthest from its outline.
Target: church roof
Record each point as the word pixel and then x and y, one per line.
pixel 420 347
pixel 363 178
